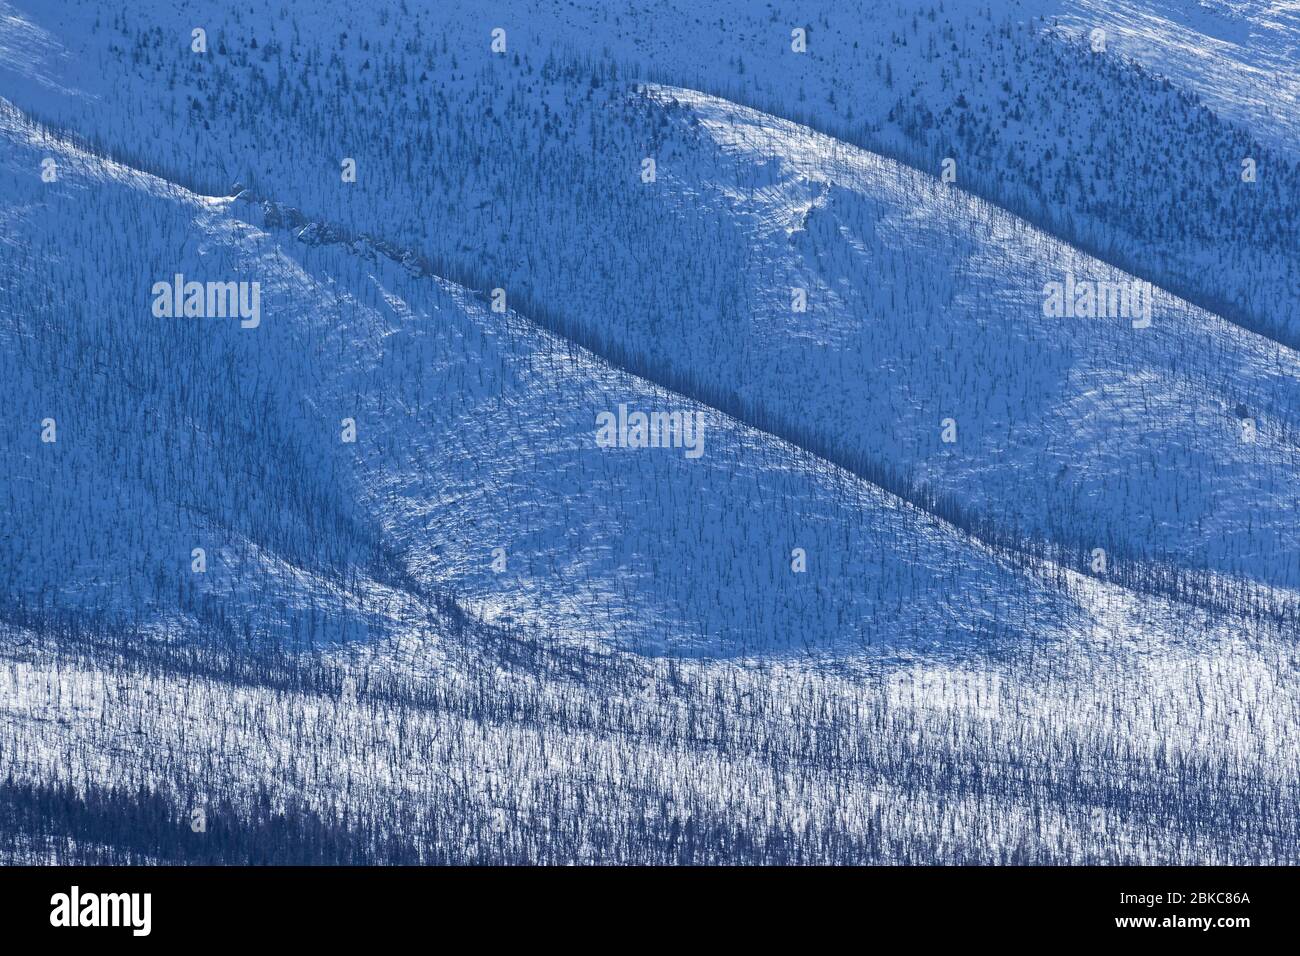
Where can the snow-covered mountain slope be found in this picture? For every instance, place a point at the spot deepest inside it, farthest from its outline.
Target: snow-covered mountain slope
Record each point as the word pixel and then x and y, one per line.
pixel 1096 751
pixel 950 579
pixel 475 431
pixel 1240 56
pixel 1117 155
pixel 1085 412
pixel 1174 441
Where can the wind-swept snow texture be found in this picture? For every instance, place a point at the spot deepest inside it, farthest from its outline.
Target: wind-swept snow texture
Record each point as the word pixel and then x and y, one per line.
pixel 694 433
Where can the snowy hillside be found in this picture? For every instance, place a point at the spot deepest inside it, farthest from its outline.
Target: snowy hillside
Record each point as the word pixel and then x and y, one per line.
pixel 1239 55
pixel 572 445
pixel 475 431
